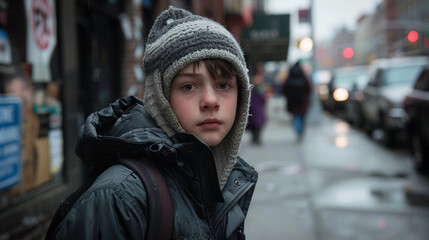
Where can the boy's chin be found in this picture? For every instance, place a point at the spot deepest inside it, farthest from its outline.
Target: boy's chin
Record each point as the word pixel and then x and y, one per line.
pixel 212 142
pixel 211 138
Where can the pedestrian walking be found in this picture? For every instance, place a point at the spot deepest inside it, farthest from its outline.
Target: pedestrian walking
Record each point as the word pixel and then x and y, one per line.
pixel 190 126
pixel 296 90
pixel 257 117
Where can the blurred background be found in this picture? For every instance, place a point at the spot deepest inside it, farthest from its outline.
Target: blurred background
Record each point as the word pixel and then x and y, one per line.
pixel 358 170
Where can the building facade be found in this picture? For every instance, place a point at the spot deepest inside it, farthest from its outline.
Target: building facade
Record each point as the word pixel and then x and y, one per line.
pixel 385 33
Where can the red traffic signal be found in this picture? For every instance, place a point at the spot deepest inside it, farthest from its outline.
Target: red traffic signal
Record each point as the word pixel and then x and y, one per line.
pixel 413 36
pixel 348 53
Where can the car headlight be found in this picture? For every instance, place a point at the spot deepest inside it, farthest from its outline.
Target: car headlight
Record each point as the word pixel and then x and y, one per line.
pixel 341 94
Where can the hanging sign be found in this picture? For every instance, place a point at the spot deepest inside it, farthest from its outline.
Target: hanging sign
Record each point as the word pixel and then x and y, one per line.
pixel 41 37
pixel 268 37
pixel 10 141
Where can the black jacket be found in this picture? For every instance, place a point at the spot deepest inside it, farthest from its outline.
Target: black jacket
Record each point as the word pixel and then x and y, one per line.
pixel 115 206
pixel 297 89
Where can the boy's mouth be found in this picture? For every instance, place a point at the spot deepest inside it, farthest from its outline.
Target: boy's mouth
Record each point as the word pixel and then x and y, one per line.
pixel 210 123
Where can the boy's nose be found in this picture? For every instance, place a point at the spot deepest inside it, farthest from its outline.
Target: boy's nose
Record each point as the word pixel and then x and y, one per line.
pixel 209 100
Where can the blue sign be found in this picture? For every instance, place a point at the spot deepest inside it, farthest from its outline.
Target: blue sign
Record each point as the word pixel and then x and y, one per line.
pixel 10 141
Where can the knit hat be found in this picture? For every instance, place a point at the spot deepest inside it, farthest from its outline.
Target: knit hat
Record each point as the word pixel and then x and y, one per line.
pixel 177 39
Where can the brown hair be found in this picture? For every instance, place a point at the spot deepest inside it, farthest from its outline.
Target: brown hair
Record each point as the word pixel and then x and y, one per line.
pixel 217 68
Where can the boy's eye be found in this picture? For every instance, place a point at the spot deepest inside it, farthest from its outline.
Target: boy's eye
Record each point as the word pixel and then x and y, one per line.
pixel 188 87
pixel 224 85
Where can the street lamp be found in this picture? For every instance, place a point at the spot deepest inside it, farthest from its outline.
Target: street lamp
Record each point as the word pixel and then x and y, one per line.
pixel 305 44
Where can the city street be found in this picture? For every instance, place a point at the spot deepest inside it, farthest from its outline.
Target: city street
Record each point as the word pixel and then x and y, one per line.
pixel 336 184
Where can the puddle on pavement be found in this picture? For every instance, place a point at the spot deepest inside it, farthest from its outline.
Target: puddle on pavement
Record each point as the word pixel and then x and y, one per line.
pixel 416 197
pixel 388 195
pixel 341 127
pixel 373 193
pixel 386 174
pixel 341 141
pixel 380 189
pixel 409 196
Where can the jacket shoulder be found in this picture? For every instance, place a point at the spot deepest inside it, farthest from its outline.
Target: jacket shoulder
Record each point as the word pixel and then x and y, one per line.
pixel 114 204
pixel 114 177
pixel 118 181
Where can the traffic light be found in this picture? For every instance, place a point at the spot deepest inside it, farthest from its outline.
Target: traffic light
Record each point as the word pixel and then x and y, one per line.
pixel 348 53
pixel 413 36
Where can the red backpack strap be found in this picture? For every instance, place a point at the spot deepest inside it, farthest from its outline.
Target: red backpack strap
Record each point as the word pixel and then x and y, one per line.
pixel 160 208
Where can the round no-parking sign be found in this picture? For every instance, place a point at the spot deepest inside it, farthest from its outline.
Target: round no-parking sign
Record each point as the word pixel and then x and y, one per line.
pixel 42 23
pixel 41 37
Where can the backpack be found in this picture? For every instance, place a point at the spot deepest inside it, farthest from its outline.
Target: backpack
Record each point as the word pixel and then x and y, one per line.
pixel 294 90
pixel 160 208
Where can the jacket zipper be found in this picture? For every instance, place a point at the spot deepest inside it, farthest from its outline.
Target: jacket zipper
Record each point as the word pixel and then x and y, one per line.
pixel 226 209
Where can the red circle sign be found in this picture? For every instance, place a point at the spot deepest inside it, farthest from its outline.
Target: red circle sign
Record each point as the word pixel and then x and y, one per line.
pixel 42 23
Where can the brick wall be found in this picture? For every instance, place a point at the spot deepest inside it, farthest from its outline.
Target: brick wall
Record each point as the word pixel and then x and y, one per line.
pixel 131 61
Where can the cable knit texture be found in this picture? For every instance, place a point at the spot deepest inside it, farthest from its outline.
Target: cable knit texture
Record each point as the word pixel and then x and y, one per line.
pixel 177 39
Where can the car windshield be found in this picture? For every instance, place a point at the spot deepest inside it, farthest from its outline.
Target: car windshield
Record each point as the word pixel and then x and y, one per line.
pixel 401 75
pixel 347 78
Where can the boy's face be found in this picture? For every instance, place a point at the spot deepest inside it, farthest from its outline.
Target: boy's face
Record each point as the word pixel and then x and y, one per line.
pixel 204 106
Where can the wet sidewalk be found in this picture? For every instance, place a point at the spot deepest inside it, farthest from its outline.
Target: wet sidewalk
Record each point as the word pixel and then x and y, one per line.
pixel 336 184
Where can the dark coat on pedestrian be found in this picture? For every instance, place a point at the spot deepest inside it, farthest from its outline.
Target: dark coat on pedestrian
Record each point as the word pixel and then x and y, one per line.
pixel 257 108
pixel 296 89
pixel 115 206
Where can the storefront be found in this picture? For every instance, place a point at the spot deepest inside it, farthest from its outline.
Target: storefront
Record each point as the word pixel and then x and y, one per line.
pixel 59 62
pixel 38 118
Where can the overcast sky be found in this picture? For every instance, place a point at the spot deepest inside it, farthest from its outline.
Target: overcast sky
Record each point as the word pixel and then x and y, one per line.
pixel 330 15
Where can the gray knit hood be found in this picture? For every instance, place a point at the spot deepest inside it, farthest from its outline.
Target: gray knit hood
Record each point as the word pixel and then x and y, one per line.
pixel 177 39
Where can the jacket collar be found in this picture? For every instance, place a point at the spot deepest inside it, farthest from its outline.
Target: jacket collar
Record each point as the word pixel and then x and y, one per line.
pixel 199 166
pixel 125 129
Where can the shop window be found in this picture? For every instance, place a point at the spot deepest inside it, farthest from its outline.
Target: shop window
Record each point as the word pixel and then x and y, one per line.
pixel 36 159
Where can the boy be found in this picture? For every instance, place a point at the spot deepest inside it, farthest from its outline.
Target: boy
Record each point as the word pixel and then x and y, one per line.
pixel 190 126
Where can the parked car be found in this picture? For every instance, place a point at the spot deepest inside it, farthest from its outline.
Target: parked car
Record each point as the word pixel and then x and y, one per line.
pixel 354 109
pixel 340 86
pixel 390 80
pixel 416 105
